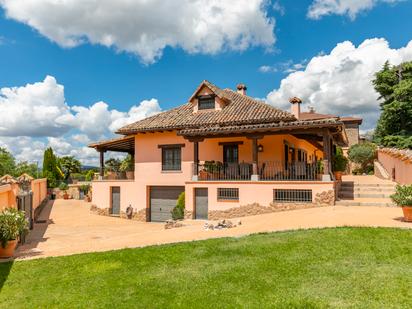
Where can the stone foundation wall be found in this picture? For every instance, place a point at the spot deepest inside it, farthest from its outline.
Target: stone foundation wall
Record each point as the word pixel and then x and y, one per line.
pixel 141 215
pixel 256 209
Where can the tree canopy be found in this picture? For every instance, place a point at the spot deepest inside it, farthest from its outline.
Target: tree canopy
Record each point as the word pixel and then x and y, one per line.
pixel 9 166
pixel 394 84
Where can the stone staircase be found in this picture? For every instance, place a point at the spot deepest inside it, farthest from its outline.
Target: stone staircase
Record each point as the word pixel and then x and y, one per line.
pixel 366 192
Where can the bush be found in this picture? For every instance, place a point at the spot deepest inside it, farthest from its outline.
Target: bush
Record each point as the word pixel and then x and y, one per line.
pixel 363 154
pixel 63 186
pixel 340 162
pixel 403 195
pixel 12 224
pixel 178 213
pixel 85 188
pixel 89 175
pixel 127 164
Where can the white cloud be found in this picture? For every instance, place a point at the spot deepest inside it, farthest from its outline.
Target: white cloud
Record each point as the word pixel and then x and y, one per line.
pixel 33 109
pixel 285 67
pixel 351 8
pixel 37 116
pixel 146 28
pixel 341 82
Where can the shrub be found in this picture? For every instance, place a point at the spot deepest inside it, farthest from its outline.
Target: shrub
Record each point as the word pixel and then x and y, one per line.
pixel 113 165
pixel 340 162
pixel 89 175
pixel 178 213
pixel 12 224
pixel 127 164
pixel 363 154
pixel 63 186
pixel 84 188
pixel 403 195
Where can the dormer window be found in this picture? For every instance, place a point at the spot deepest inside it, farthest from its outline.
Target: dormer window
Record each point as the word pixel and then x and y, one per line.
pixel 206 102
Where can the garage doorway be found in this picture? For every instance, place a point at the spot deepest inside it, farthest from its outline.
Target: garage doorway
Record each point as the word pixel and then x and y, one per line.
pixel 162 201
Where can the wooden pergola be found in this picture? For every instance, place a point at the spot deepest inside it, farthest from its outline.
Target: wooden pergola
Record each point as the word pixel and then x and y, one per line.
pixel 124 144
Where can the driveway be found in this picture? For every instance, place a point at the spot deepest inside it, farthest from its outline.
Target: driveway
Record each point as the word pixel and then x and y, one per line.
pixel 69 227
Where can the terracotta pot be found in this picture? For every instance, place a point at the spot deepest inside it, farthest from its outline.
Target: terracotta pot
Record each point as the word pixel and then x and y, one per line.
pixel 407 213
pixel 65 196
pixel 130 174
pixel 87 199
pixel 338 175
pixel 9 250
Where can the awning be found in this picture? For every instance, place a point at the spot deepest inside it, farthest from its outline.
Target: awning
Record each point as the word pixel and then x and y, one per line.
pixel 120 144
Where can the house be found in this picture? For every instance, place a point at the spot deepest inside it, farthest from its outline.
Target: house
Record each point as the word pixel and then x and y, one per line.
pixel 231 154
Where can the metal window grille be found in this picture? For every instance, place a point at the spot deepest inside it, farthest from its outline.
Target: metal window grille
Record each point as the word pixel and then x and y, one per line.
pixel 206 103
pixel 292 195
pixel 171 159
pixel 228 194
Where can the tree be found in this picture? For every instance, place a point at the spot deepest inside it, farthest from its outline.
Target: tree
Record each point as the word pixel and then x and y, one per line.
pixel 363 154
pixel 69 165
pixel 113 165
pixel 394 84
pixel 7 162
pixel 28 168
pixel 178 212
pixel 50 168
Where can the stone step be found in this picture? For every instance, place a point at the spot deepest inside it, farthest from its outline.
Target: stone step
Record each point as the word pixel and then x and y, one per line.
pixel 365 202
pixel 367 189
pixel 349 194
pixel 367 185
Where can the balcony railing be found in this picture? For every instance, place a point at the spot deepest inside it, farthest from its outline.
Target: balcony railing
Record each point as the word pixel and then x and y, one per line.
pixel 266 171
pixel 108 175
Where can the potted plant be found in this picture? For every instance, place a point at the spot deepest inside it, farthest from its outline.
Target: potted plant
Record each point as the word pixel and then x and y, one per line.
pixel 113 168
pixel 12 224
pixel 127 166
pixel 64 187
pixel 403 198
pixel 85 189
pixel 340 162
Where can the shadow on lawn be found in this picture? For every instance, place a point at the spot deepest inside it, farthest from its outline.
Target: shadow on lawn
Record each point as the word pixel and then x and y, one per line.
pixel 36 236
pixel 5 268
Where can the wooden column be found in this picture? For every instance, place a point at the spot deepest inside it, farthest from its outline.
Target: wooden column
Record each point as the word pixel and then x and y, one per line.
pixel 326 155
pixel 101 163
pixel 196 158
pixel 255 156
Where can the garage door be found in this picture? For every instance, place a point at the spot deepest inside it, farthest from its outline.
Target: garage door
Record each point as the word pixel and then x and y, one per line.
pixel 162 202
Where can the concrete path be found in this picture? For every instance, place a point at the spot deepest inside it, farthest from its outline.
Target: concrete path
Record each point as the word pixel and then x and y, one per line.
pixel 71 228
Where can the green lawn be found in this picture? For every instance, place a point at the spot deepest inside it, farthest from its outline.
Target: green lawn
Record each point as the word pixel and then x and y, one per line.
pixel 328 268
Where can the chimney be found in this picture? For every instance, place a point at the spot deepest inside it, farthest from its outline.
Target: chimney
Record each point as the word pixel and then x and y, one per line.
pixel 241 89
pixel 295 109
pixel 311 109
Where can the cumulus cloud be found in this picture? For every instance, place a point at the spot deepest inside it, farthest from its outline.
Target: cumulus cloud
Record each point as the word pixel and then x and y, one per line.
pixel 33 109
pixel 37 116
pixel 146 28
pixel 341 82
pixel 351 8
pixel 284 67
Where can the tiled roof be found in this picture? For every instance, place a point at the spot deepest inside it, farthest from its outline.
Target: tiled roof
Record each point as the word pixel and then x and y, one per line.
pixel 240 110
pixel 323 123
pixel 314 116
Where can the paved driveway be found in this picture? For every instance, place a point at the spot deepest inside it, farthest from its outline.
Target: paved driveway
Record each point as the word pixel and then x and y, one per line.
pixel 71 228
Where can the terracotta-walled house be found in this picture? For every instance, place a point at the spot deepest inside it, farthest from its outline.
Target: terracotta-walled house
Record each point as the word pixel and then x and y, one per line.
pixel 231 154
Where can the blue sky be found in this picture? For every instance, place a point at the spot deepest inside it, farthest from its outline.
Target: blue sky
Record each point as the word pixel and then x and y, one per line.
pixel 295 33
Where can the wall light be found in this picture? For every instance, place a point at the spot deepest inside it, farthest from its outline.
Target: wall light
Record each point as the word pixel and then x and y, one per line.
pixel 260 148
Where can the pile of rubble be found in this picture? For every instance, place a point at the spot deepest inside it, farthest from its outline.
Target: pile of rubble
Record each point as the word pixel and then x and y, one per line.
pixel 170 224
pixel 222 224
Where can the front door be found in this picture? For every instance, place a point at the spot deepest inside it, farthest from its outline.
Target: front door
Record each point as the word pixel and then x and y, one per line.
pixel 201 203
pixel 115 200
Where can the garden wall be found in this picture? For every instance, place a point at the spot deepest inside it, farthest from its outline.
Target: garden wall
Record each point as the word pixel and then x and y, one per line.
pixel 397 163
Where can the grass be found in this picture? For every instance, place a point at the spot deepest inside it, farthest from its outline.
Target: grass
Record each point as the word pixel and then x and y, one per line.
pixel 327 268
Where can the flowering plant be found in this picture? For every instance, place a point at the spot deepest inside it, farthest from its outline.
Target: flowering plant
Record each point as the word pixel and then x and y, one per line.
pixel 12 224
pixel 402 196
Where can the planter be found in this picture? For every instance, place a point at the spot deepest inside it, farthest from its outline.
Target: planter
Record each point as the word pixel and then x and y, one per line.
pixel 9 250
pixel 130 174
pixel 407 213
pixel 66 196
pixel 87 199
pixel 111 175
pixel 338 175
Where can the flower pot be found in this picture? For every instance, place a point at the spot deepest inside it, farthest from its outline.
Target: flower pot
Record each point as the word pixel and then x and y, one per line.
pixel 130 174
pixel 338 175
pixel 65 196
pixel 407 213
pixel 9 250
pixel 111 175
